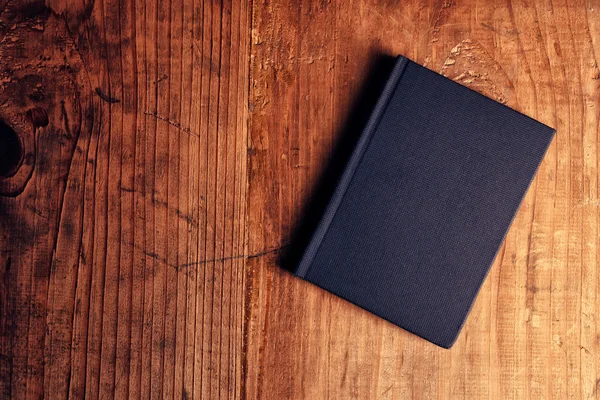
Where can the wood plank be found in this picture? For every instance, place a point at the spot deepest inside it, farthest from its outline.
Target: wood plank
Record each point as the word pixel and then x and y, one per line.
pixel 532 332
pixel 123 253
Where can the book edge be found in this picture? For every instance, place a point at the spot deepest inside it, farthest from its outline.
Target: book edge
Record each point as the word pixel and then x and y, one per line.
pixel 353 163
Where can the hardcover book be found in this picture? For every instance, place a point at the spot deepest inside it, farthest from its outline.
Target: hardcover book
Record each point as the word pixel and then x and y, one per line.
pixel 424 202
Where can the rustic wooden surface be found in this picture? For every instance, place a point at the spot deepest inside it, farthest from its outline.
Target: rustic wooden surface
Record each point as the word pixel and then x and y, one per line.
pixel 168 149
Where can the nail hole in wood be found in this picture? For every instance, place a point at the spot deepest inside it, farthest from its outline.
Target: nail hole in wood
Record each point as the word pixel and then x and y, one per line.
pixel 11 151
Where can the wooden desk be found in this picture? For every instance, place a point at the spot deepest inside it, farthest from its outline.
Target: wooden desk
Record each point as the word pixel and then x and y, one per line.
pixel 140 233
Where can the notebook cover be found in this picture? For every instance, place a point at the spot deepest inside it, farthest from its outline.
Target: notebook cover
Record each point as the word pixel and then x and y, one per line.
pixel 424 202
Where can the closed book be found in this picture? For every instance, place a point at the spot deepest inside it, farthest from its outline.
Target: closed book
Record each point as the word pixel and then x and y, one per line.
pixel 424 202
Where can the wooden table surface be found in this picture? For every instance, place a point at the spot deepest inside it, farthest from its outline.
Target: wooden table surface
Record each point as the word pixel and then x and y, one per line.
pixel 169 148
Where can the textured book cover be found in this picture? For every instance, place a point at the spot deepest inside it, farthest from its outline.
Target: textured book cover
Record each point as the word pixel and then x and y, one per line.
pixel 424 202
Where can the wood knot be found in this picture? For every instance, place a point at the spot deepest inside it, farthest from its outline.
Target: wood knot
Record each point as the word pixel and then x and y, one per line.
pixel 11 151
pixel 38 117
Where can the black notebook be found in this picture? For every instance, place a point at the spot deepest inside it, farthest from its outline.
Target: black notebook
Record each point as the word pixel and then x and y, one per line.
pixel 424 202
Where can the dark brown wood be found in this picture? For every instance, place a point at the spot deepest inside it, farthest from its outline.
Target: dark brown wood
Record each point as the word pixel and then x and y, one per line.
pixel 167 151
pixel 122 253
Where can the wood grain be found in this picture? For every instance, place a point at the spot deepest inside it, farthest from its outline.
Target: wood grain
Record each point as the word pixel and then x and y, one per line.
pixel 533 332
pixel 122 258
pixel 170 148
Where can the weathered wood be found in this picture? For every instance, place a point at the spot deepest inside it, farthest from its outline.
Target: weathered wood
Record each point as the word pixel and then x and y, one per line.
pixel 167 151
pixel 533 330
pixel 122 255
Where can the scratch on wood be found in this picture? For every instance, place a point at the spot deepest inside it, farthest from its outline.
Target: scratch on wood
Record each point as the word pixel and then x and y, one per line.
pixel 488 26
pixel 175 124
pixel 106 98
pixel 162 78
pixel 436 25
pixel 235 257
pixel 65 119
pixel 163 260
pixel 127 190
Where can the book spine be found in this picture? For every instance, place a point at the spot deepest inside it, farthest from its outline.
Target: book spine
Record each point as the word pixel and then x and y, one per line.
pixel 357 154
